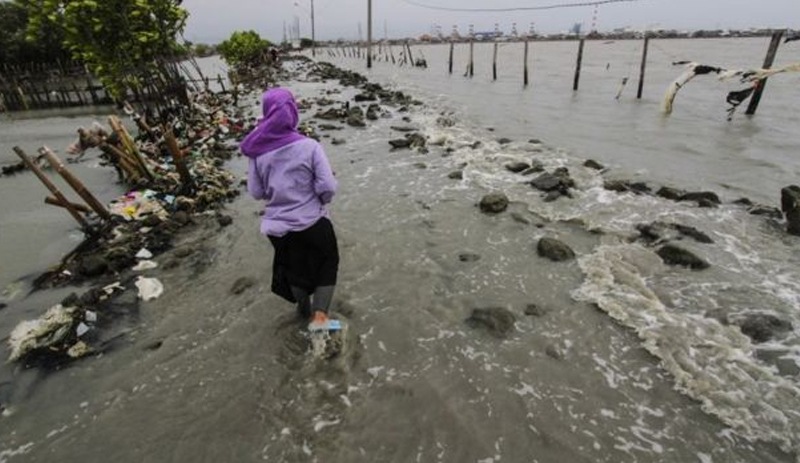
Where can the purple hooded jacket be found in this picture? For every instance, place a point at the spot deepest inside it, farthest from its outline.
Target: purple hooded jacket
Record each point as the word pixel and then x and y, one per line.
pixel 288 170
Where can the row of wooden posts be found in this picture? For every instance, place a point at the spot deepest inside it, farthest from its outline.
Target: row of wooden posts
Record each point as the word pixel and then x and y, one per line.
pixel 470 72
pixel 127 156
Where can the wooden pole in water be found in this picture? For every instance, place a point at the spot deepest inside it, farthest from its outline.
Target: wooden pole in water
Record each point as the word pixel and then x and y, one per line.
pixel 643 66
pixel 578 66
pixel 76 184
pixel 525 66
pixel 410 56
pixel 471 57
pixel 55 202
pixel 450 65
pixel 768 60
pixel 494 63
pixel 50 186
pixel 369 34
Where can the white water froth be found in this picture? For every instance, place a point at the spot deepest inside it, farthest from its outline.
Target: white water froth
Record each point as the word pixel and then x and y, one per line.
pixel 710 362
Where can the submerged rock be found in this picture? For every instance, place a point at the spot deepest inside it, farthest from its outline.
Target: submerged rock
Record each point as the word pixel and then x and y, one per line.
pixel 592 164
pixel 555 250
pixel 558 182
pixel 468 257
pixel 674 255
pixel 498 321
pixel 517 167
pixel 494 203
pixel 702 198
pixel 667 192
pixel 763 327
pixel 456 175
pixel 790 205
pixel 659 232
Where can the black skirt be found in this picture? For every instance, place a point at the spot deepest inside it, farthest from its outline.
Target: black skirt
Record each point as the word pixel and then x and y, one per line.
pixel 305 259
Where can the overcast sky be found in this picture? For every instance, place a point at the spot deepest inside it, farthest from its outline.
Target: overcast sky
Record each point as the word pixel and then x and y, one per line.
pixel 213 20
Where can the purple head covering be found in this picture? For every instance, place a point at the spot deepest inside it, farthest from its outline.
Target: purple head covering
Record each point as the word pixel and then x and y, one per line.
pixel 278 127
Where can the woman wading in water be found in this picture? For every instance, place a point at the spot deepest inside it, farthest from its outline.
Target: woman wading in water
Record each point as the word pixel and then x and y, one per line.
pixel 293 175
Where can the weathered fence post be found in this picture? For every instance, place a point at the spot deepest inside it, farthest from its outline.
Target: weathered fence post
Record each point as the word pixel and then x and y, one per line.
pixel 450 65
pixel 578 66
pixel 494 63
pixel 180 161
pixel 768 60
pixel 643 67
pixel 525 66
pixel 50 186
pixel 471 57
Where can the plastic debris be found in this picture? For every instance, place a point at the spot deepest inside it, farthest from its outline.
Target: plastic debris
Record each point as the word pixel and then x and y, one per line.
pixel 82 329
pixel 145 265
pixel 52 328
pixel 79 349
pixel 149 288
pixel 90 316
pixel 136 205
pixel 144 254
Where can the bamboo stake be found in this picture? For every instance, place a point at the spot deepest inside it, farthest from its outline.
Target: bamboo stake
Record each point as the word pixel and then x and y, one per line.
pixel 76 184
pixel 129 145
pixel 642 68
pixel 450 65
pixel 471 58
pixel 180 161
pixel 55 202
pixel 50 186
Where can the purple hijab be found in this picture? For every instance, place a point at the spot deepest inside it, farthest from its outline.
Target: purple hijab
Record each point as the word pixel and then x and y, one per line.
pixel 278 127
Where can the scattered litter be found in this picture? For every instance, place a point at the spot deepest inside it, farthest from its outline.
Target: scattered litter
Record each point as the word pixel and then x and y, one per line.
pixel 144 254
pixel 82 329
pixel 145 265
pixel 79 349
pixel 149 288
pixel 52 328
pixel 90 316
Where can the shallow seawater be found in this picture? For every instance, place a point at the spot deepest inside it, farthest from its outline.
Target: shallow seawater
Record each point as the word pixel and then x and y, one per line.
pixel 624 359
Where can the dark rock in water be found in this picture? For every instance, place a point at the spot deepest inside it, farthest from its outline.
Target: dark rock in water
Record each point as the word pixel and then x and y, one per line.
pixel 555 250
pixel 592 164
pixel 355 117
pixel 766 211
pixel 674 255
pixel 693 233
pixel 743 202
pixel 329 127
pixel 332 114
pixel 417 140
pixel 670 193
pixel 790 205
pixel 155 345
pixel 3 305
pixel 498 321
pixel 622 186
pixel 420 165
pixel 546 182
pixel 535 310
pixel 517 167
pixel 93 265
pixel 338 141
pixel 366 96
pixel 402 129
pixel 468 257
pixel 535 141
pixel 698 196
pixel 763 327
pixel 373 112
pixel 558 181
pixel 536 167
pixel 456 175
pixel 494 203
pixel 399 143
pixel 184 252
pixel 707 203
pixel 553 352
pixel 241 284
pixel 224 220
pixel 504 140
pixel 476 145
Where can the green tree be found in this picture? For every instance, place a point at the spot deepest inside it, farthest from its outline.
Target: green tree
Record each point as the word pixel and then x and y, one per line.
pixel 242 48
pixel 121 41
pixel 15 49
